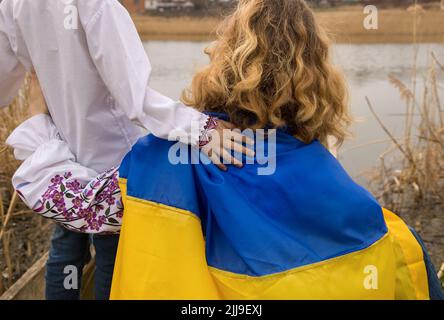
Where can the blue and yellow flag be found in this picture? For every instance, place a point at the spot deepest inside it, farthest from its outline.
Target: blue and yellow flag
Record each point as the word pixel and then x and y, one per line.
pixel 305 232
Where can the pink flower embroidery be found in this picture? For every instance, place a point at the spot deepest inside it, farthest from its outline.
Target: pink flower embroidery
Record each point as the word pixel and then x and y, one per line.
pixel 57 180
pixel 206 134
pixel 96 207
pixel 74 186
pixel 77 203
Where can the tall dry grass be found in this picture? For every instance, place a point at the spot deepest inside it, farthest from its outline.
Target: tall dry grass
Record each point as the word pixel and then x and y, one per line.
pixel 410 177
pixel 416 178
pixel 10 118
pixel 24 237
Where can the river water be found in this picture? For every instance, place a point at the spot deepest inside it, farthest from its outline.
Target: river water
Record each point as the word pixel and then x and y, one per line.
pixel 366 66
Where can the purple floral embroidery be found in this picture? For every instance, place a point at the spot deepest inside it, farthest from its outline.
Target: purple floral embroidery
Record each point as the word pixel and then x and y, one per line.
pixel 77 203
pixel 93 208
pixel 205 136
pixel 56 180
pixel 74 186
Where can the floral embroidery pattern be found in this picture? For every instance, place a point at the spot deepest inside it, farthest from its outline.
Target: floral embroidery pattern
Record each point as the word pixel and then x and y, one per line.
pixel 93 208
pixel 205 136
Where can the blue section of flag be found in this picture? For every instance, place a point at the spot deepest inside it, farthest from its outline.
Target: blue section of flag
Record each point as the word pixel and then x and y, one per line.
pixel 308 211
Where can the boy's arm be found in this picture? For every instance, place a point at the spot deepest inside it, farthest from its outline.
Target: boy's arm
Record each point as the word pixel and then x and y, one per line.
pixel 51 182
pixel 12 72
pixel 121 60
pixel 123 64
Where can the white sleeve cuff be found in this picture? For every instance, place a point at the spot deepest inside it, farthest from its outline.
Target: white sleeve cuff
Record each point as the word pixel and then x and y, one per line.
pixel 31 134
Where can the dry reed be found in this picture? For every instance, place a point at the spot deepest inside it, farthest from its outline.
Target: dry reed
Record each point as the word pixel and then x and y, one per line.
pixel 19 228
pixel 410 178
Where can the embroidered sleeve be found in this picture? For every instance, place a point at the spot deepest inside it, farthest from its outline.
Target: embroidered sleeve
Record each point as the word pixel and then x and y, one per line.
pixel 92 208
pixel 54 185
pixel 205 134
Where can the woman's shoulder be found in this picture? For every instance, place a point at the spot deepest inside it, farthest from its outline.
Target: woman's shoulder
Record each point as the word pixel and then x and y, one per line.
pixel 153 174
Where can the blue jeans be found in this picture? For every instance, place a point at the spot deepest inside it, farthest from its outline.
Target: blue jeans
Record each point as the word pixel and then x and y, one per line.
pixel 70 251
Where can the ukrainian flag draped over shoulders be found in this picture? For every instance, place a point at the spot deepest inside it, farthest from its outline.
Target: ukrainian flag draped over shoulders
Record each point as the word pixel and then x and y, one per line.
pixel 305 232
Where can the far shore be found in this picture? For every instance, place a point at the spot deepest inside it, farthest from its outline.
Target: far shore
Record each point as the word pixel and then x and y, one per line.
pixel 345 26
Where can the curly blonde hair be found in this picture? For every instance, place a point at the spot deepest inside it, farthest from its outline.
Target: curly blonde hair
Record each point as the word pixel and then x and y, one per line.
pixel 271 67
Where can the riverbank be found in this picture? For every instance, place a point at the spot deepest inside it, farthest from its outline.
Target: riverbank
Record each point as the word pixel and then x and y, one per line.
pixel 345 25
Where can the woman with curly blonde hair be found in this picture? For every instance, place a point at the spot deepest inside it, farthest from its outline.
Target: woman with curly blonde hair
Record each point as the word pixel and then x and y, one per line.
pixel 271 67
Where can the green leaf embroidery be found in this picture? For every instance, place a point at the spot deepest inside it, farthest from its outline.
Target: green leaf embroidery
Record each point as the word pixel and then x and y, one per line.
pixel 112 220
